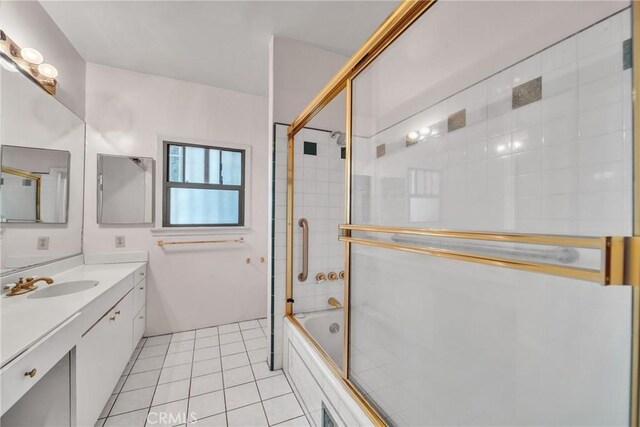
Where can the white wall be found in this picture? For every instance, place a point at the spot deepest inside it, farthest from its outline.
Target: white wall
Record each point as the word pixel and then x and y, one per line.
pixel 299 71
pixel 193 286
pixel 29 25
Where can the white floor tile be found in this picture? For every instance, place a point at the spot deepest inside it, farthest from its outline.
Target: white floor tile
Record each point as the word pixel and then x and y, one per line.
pixel 180 346
pixel 206 405
pixel 235 361
pixel 237 376
pixel 249 324
pixel 282 408
pixel 205 367
pixel 206 384
pixel 119 384
pixel 130 419
pixel 255 343
pixel 205 342
pixel 241 395
pixel 175 373
pixel 233 348
pixel 171 392
pixel 219 420
pixel 176 359
pixel 153 351
pixel 141 380
pixel 229 338
pixel 206 353
pixel 296 422
pixel 225 329
pixel 273 387
pixel 259 355
pixel 263 322
pixel 252 415
pixel 148 364
pixel 252 333
pixel 168 414
pixel 132 400
pixel 261 370
pixel 108 406
pixel 207 332
pixel 160 339
pixel 183 336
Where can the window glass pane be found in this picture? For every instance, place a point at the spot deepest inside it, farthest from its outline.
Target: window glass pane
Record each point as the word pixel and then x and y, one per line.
pixel 231 167
pixel 194 164
pixel 175 163
pixel 214 166
pixel 203 206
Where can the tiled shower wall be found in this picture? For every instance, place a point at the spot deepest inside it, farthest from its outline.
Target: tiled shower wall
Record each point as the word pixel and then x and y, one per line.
pixel 319 197
pixel 541 147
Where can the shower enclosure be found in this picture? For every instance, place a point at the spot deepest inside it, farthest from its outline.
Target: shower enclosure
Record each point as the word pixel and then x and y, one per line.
pixel 489 219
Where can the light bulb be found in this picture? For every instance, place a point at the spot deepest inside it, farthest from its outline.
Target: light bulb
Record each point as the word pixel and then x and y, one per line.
pixel 413 135
pixel 31 55
pixel 7 65
pixel 48 70
pixel 425 131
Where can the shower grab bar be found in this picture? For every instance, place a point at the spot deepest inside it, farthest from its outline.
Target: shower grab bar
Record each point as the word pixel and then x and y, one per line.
pixel 612 250
pixel 305 249
pixel 564 255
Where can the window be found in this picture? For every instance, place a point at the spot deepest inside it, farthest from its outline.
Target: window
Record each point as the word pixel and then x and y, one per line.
pixel 203 186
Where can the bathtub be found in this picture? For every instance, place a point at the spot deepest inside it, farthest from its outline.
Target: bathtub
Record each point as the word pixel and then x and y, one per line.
pixel 327 328
pixel 321 392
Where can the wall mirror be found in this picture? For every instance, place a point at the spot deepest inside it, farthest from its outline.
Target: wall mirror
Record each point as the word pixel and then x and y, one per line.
pixel 42 178
pixel 125 189
pixel 35 185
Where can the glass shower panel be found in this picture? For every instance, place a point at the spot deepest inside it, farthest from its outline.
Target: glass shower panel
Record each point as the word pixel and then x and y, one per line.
pixel 476 119
pixel 319 175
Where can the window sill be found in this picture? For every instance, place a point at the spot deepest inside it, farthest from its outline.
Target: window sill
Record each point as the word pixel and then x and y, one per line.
pixel 198 231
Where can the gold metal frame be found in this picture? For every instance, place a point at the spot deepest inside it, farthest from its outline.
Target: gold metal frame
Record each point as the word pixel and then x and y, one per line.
pixel 36 178
pixel 621 255
pixel 633 254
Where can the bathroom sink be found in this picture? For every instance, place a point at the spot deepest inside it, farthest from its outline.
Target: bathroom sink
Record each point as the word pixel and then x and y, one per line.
pixel 64 288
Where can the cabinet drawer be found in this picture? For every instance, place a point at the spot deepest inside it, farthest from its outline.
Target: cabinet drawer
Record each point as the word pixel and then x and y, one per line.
pixel 140 274
pixel 139 325
pixel 38 360
pixel 101 356
pixel 139 295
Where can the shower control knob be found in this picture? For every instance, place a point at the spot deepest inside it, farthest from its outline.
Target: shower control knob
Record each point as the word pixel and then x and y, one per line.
pixel 333 276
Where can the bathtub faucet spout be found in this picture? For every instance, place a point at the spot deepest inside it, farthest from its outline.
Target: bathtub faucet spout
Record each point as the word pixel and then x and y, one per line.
pixel 334 302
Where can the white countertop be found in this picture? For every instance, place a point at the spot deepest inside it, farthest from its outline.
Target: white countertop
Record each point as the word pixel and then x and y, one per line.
pixel 23 321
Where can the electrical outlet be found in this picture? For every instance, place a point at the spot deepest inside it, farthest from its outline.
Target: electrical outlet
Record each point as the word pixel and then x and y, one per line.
pixel 43 243
pixel 120 243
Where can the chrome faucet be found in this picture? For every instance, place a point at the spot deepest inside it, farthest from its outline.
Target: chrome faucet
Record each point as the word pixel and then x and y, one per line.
pixel 24 286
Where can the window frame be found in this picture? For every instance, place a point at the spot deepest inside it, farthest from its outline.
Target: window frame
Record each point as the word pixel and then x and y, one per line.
pixel 168 185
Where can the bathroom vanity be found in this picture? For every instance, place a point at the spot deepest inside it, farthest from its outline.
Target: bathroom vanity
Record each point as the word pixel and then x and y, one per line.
pixel 90 333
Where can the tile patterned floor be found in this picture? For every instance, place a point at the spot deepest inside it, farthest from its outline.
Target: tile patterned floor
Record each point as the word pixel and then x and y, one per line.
pixel 219 375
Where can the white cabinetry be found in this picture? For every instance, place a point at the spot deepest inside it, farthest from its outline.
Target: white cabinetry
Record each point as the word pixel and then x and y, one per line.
pixel 101 356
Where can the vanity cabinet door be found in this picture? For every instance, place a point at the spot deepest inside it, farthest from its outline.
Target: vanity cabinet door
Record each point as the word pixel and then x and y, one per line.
pixel 139 295
pixel 101 356
pixel 139 323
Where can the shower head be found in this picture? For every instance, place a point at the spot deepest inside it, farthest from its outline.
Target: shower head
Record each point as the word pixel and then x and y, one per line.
pixel 339 137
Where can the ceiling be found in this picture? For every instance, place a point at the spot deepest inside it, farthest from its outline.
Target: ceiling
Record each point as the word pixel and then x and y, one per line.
pixel 217 43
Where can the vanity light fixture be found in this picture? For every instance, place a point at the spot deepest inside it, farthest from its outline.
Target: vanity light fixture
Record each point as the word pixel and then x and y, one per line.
pixel 31 55
pixel 425 131
pixel 29 62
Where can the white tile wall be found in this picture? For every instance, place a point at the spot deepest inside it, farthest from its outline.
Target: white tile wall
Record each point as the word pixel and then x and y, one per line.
pixel 546 167
pixel 319 197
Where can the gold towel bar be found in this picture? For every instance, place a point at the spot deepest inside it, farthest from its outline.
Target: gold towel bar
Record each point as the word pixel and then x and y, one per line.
pixel 190 242
pixel 614 270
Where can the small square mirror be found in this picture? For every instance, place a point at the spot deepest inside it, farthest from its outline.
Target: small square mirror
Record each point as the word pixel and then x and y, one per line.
pixel 125 189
